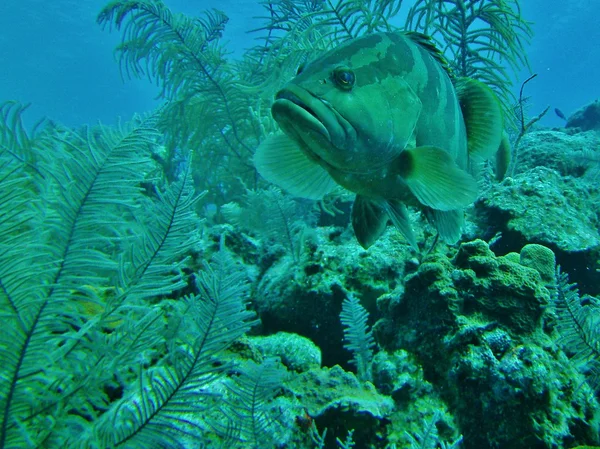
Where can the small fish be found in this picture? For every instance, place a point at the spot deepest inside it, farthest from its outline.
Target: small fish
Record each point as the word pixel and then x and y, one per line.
pixel 381 116
pixel 560 113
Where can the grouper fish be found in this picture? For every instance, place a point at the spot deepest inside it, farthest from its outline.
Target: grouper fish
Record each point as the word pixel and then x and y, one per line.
pixel 382 116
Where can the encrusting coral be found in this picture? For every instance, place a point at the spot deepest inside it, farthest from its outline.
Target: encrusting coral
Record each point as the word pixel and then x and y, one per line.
pixel 475 324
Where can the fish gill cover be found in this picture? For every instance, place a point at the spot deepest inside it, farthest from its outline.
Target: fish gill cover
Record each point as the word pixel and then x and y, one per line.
pixel 123 310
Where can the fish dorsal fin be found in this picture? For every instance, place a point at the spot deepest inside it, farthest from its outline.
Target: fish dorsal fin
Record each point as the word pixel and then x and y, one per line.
pixel 428 44
pixel 280 160
pixel 483 116
pixel 434 178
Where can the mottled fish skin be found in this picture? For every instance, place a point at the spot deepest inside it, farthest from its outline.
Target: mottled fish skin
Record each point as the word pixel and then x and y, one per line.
pixel 384 124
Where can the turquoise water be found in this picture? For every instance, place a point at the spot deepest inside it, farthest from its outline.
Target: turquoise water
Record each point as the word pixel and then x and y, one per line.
pixel 56 56
pixel 347 238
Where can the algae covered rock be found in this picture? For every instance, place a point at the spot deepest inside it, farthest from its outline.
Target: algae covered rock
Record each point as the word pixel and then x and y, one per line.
pixel 542 207
pixel 553 200
pixel 507 292
pixel 400 376
pixel 586 118
pixel 338 401
pixel 306 298
pixel 567 154
pixel 475 324
pixel 541 259
pixel 297 353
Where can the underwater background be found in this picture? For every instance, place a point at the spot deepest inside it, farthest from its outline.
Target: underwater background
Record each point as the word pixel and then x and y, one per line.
pixel 58 58
pixel 157 291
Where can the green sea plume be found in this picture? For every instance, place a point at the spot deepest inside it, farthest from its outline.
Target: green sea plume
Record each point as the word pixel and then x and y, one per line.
pixel 481 39
pixel 92 354
pixel 218 108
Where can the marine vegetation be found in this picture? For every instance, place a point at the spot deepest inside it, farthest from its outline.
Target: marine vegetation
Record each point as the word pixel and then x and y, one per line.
pixel 205 112
pixel 359 339
pixel 577 324
pixel 276 217
pixel 524 124
pixel 90 356
pixel 481 39
pixel 156 291
pixel 220 108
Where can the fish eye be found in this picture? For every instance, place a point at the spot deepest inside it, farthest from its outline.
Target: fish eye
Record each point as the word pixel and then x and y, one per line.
pixel 344 77
pixel 300 69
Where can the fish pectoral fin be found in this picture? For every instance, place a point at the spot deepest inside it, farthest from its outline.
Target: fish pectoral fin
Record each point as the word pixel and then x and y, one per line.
pixel 369 220
pixel 401 220
pixel 448 223
pixel 280 160
pixel 483 115
pixel 434 178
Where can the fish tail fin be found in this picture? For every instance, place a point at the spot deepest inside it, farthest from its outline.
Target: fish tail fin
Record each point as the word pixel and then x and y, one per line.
pixel 483 116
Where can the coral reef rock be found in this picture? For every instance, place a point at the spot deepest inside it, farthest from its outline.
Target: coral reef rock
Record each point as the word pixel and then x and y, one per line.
pixel 338 401
pixel 474 323
pixel 569 155
pixel 586 118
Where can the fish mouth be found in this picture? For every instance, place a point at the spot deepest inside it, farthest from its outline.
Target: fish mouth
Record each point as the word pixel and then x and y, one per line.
pixel 309 118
